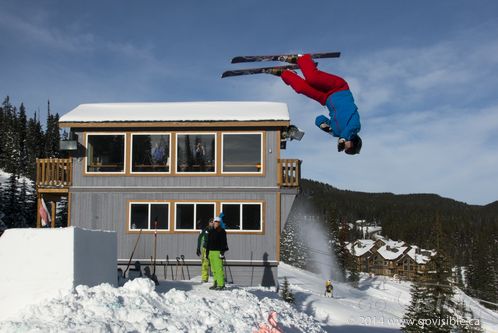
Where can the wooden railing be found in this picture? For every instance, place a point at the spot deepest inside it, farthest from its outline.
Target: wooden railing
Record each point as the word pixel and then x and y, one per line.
pixel 54 172
pixel 289 172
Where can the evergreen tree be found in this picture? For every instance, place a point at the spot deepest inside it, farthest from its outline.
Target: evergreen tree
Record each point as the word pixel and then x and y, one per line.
pixel 11 208
pixel 353 277
pixel 52 134
pixel 21 133
pixel 287 294
pixel 433 300
pixel 8 138
pixel 292 248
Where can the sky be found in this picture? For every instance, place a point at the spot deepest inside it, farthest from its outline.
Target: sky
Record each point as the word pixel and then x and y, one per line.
pixel 424 75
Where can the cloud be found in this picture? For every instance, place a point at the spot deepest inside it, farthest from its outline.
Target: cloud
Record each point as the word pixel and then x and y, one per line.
pixel 426 126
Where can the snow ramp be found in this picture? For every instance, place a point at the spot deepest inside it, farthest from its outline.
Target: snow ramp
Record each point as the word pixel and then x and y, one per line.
pixel 38 264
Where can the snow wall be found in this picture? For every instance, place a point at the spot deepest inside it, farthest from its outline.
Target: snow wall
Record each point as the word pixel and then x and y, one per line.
pixel 38 263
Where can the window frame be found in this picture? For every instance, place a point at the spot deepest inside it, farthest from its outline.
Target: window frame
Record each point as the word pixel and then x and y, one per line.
pixel 262 146
pixel 125 147
pixel 241 203
pixel 195 203
pixel 170 156
pixel 149 203
pixel 190 173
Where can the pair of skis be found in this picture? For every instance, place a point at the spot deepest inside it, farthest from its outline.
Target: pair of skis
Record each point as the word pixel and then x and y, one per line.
pixel 272 69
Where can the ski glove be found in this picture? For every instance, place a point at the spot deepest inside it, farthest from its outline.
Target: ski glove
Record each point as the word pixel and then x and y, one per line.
pixel 198 252
pixel 341 144
pixel 222 256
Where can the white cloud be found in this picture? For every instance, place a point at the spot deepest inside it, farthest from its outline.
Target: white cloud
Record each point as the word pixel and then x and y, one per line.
pixel 422 133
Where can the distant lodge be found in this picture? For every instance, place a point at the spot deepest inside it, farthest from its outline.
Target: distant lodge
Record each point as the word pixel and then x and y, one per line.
pixel 390 258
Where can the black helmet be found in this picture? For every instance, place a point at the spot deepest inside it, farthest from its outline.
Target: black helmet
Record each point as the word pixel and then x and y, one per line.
pixel 356 140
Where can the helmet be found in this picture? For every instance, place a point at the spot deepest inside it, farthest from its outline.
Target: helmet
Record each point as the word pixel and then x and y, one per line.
pixel 357 143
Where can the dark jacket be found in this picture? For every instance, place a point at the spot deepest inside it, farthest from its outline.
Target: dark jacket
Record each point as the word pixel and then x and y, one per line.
pixel 217 240
pixel 202 239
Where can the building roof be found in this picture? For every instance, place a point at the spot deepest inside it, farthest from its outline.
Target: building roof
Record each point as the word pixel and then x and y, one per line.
pixel 178 112
pixel 420 258
pixel 391 253
pixel 361 246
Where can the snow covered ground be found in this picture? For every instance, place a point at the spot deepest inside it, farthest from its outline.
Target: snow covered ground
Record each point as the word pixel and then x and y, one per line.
pixel 189 306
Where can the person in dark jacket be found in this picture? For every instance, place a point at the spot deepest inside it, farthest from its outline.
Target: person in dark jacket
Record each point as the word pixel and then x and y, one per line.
pixel 216 248
pixel 201 250
pixel 333 92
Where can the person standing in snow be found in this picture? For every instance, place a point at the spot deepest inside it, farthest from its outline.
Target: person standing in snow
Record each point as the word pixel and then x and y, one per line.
pixel 202 250
pixel 332 91
pixel 328 288
pixel 216 248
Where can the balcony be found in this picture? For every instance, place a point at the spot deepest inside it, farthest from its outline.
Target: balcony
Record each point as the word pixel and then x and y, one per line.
pixel 53 174
pixel 289 172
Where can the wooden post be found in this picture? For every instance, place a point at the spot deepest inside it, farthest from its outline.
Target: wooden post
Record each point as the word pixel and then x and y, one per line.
pixel 69 209
pixel 52 204
pixel 38 199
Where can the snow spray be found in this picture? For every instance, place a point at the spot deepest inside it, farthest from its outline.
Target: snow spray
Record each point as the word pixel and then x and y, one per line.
pixel 318 244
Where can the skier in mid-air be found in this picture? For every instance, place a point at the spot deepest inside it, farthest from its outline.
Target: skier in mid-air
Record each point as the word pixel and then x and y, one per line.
pixel 332 91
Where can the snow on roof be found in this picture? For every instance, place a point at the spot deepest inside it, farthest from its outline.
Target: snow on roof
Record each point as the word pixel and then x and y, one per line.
pixel 178 111
pixel 391 253
pixel 420 258
pixel 361 246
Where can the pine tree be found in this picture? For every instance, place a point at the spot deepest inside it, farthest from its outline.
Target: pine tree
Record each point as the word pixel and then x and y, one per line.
pixel 287 294
pixel 52 134
pixel 433 301
pixel 21 133
pixel 292 248
pixel 8 138
pixel 353 277
pixel 11 208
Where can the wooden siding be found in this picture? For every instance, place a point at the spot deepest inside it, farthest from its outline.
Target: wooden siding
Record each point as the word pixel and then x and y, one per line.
pixel 108 211
pixel 268 178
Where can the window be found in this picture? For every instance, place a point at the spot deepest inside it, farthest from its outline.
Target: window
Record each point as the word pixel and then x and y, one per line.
pixel 150 153
pixel 196 153
pixel 193 216
pixel 242 153
pixel 243 216
pixel 105 153
pixel 143 215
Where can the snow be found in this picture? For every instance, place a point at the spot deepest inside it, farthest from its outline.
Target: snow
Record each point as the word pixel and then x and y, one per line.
pixel 420 258
pixel 391 253
pixel 42 263
pixel 361 246
pixel 179 111
pixel 47 292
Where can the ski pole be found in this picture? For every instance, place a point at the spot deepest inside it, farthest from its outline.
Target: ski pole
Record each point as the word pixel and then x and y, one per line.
pixel 132 252
pixel 186 266
pixel 177 266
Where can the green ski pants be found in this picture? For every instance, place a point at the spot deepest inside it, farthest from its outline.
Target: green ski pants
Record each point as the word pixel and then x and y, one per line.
pixel 204 265
pixel 217 268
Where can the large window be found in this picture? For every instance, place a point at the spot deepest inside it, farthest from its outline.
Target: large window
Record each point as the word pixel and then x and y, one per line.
pixel 143 215
pixel 105 153
pixel 196 153
pixel 242 153
pixel 150 153
pixel 243 216
pixel 193 216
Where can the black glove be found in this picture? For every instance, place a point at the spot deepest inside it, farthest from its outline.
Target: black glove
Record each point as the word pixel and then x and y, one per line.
pixel 222 255
pixel 341 144
pixel 198 252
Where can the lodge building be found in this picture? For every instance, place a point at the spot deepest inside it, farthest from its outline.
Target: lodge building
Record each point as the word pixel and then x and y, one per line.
pixel 141 168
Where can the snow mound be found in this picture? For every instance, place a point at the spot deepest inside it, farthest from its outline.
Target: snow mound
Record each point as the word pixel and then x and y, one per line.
pixel 138 307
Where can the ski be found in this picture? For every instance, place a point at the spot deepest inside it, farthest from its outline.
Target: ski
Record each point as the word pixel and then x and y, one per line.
pixel 282 57
pixel 260 70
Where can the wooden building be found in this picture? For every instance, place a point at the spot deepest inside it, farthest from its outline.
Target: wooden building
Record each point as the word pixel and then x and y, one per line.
pixel 170 167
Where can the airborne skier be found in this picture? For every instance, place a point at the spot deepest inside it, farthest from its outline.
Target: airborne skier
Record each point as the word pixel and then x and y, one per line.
pixel 332 91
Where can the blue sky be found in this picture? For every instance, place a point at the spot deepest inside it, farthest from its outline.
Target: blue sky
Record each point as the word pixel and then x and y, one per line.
pixel 424 75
